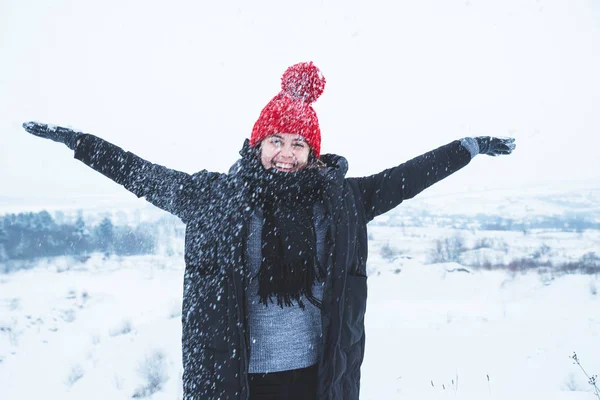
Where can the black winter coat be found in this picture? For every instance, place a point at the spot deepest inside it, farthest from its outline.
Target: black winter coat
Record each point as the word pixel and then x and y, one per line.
pixel 214 208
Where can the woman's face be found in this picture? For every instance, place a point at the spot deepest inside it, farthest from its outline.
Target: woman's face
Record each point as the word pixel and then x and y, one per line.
pixel 286 152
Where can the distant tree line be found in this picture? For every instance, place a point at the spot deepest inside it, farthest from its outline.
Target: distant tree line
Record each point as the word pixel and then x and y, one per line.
pixel 32 235
pixel 567 222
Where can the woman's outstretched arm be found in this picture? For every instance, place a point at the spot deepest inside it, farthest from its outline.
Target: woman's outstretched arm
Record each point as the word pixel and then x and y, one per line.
pixel 383 191
pixel 173 191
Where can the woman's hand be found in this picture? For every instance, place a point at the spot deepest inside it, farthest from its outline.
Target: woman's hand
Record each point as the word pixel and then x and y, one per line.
pixel 493 146
pixel 52 132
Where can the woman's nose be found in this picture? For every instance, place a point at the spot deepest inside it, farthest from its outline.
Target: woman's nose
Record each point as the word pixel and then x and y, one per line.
pixel 286 151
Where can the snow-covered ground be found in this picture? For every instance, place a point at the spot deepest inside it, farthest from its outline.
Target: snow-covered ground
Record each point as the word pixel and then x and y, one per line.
pixel 436 331
pixel 110 328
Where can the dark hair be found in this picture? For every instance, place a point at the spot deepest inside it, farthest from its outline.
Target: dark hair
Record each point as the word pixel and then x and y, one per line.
pixel 314 161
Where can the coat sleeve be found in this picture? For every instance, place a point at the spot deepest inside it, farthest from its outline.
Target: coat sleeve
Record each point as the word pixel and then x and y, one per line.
pixel 176 192
pixel 383 191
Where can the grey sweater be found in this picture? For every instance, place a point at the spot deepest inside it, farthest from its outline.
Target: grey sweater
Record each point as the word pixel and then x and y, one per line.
pixel 285 338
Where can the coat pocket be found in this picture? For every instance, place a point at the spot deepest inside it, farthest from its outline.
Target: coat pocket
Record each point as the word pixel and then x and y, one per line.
pixel 355 305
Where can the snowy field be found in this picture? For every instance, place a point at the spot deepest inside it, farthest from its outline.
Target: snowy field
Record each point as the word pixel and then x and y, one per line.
pixel 110 328
pixel 437 331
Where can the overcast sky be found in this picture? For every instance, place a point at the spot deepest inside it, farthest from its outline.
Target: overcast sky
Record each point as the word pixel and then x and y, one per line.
pixel 181 83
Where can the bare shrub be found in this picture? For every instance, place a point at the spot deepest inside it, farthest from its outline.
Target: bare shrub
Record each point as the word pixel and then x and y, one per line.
pixel 588 264
pixel 543 252
pixel 83 299
pixel 123 328
pixel 484 258
pixel 524 264
pixel 389 252
pixel 483 243
pixel 14 304
pixel 591 261
pixel 68 315
pixel 10 331
pixel 592 380
pixel 447 250
pixel 153 370
pixel 491 243
pixel 541 265
pixel 75 374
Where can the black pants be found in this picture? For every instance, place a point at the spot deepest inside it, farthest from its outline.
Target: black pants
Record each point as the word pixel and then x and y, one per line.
pixel 296 384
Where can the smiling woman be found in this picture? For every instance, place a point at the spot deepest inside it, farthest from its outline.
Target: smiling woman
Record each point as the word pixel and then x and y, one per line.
pixel 286 152
pixel 275 286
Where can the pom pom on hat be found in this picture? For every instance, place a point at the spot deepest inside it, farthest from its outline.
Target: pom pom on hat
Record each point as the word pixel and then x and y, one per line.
pixel 303 81
pixel 290 111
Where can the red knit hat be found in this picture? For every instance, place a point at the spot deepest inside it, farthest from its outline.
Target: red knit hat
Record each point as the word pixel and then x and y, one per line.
pixel 291 111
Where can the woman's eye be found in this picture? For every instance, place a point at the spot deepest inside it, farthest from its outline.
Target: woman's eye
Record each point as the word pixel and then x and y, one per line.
pixel 299 145
pixel 276 142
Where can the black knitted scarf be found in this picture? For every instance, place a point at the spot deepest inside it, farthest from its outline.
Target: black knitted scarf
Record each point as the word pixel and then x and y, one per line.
pixel 289 264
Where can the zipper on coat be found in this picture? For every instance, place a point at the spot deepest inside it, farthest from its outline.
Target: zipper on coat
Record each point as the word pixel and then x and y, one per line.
pixel 330 243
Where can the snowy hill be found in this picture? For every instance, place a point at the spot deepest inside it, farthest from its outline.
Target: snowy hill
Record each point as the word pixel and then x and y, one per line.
pixel 454 310
pixel 111 329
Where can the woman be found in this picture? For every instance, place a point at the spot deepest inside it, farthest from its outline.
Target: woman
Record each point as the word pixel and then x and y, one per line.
pixel 275 285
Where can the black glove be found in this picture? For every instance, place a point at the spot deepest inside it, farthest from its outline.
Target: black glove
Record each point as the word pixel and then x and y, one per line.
pixel 493 146
pixel 56 133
